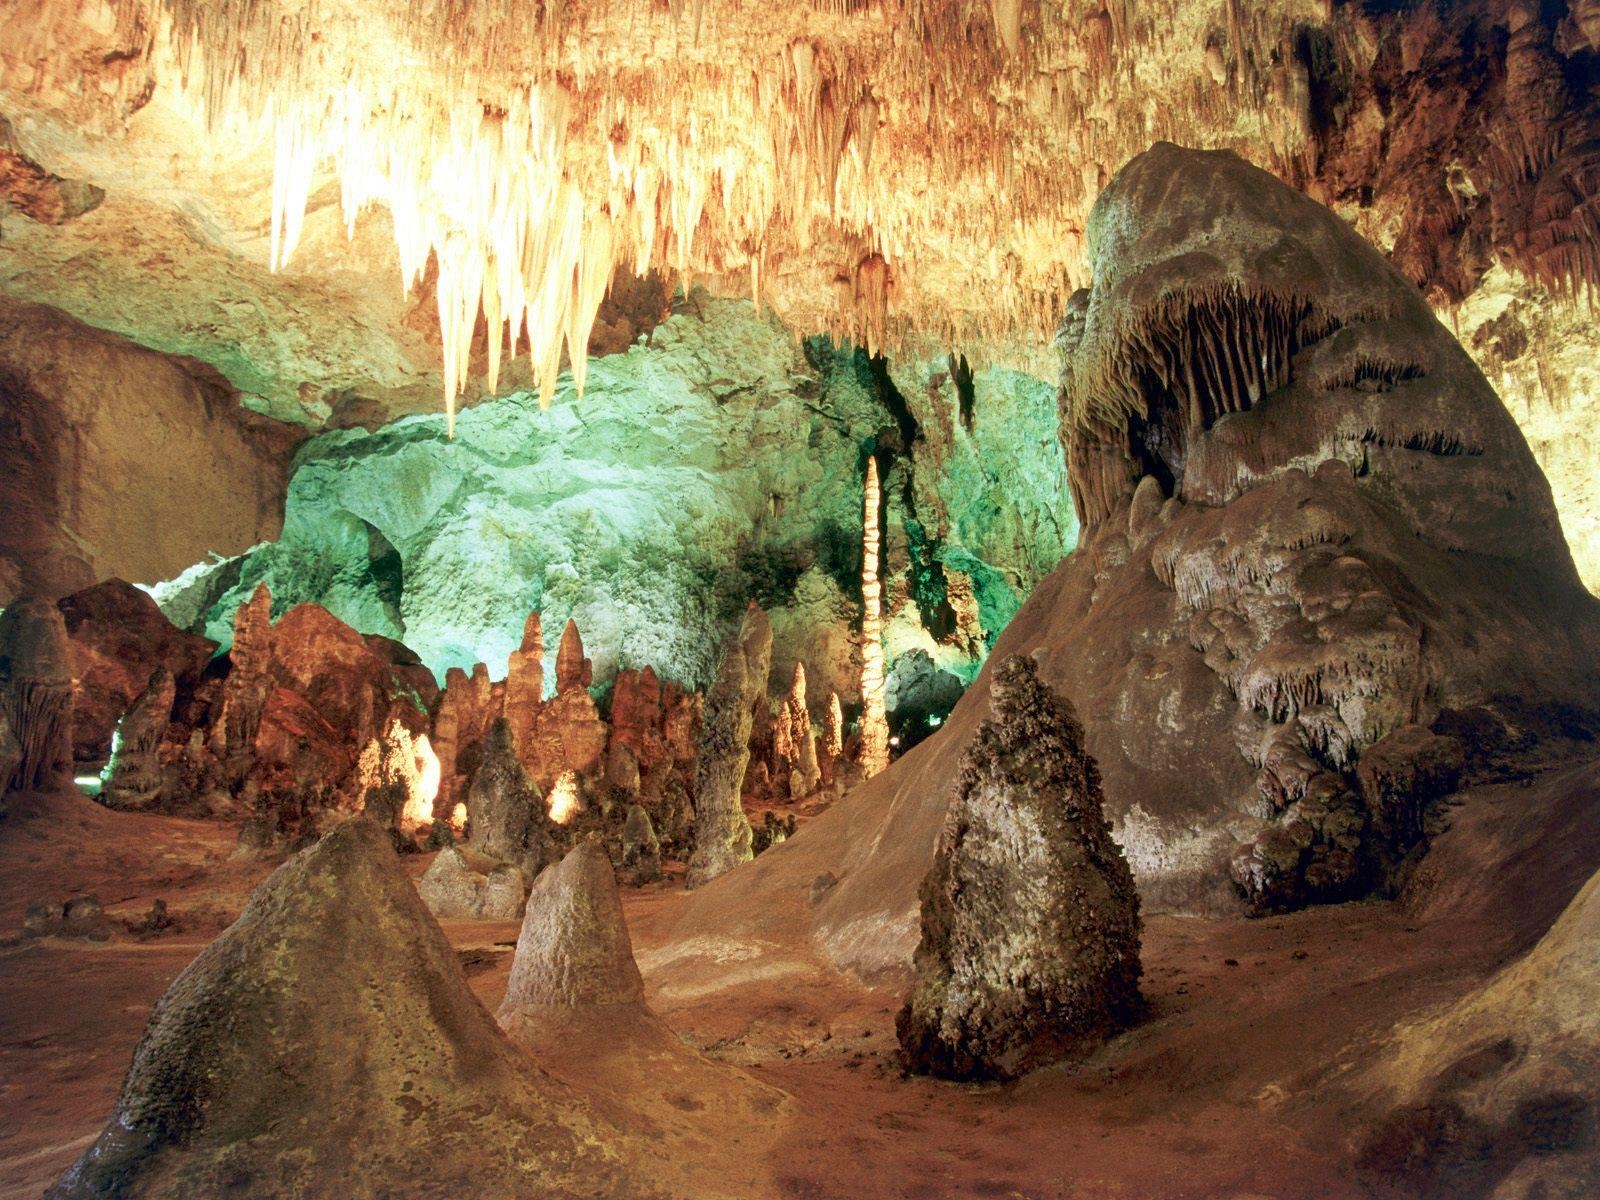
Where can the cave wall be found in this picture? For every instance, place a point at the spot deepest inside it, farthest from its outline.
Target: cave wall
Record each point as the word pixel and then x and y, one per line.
pixel 116 460
pixel 716 462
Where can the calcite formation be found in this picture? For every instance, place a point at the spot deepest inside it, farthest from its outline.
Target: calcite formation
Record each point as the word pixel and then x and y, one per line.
pixel 134 777
pixel 1277 453
pixel 1030 919
pixel 456 887
pixel 36 692
pixel 246 689
pixel 874 754
pixel 525 681
pixel 641 849
pixel 507 819
pixel 722 835
pixel 573 670
pixel 805 773
pixel 118 638
pixel 334 972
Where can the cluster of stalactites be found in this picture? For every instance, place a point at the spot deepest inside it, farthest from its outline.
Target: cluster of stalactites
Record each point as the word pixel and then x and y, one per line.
pixel 552 145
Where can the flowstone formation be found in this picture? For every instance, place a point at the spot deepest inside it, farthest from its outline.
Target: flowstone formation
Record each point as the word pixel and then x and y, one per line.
pixel 335 982
pixel 1312 535
pixel 36 693
pixel 722 834
pixel 1030 919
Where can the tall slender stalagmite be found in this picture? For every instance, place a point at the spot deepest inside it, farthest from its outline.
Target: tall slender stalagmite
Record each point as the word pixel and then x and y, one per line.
pixel 802 736
pixel 874 722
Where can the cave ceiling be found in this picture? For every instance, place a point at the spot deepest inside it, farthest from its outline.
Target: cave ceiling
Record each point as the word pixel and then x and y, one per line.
pixel 332 201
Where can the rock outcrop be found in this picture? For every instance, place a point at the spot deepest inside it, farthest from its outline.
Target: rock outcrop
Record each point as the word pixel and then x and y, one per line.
pixel 1309 524
pixel 118 638
pixel 722 835
pixel 455 888
pixel 335 982
pixel 1030 919
pixel 641 849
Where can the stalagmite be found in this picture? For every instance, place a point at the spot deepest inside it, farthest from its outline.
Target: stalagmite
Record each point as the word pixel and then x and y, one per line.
pixel 249 684
pixel 133 778
pixel 36 689
pixel 525 683
pixel 832 738
pixel 722 834
pixel 573 670
pixel 874 721
pixel 506 816
pixel 806 770
pixel 1030 918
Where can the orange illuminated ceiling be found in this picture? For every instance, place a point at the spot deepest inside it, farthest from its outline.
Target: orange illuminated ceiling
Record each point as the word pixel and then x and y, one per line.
pixel 887 172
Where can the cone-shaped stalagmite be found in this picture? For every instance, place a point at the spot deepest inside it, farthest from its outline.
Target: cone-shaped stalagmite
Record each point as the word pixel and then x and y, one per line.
pixel 135 779
pixel 36 690
pixel 574 947
pixel 1030 920
pixel 874 721
pixel 722 834
pixel 328 1044
pixel 249 684
pixel 573 670
pixel 575 1002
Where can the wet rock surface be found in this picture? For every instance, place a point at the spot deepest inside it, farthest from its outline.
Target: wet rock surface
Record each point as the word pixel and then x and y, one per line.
pixel 1030 920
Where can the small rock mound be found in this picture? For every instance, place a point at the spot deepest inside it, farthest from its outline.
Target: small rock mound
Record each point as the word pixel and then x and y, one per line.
pixel 328 1044
pixel 454 891
pixel 1030 919
pixel 574 947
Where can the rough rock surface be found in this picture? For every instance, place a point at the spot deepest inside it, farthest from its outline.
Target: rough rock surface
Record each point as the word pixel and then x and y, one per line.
pixel 119 637
pixel 722 835
pixel 136 779
pixel 507 819
pixel 641 850
pixel 574 948
pixel 454 890
pixel 119 461
pixel 1030 919
pixel 333 974
pixel 1497 1093
pixel 1282 462
pixel 36 692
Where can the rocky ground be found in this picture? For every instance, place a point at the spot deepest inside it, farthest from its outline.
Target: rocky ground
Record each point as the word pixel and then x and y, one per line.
pixel 1250 1077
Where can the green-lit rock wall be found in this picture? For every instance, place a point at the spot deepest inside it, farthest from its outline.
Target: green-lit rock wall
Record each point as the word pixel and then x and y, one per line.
pixel 720 462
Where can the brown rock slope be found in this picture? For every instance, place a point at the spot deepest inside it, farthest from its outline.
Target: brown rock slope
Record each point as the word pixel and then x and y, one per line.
pixel 327 1044
pixel 1314 544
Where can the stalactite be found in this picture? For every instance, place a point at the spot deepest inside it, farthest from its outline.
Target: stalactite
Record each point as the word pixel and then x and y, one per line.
pixel 874 720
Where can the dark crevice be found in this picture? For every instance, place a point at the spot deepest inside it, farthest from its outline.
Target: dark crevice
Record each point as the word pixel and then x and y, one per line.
pixel 966 398
pixel 1205 358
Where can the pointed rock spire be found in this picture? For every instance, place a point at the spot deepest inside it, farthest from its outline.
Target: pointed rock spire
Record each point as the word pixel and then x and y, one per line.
pixel 573 670
pixel 336 984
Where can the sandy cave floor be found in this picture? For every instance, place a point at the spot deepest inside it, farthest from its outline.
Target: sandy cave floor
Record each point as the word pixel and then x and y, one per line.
pixel 1222 1092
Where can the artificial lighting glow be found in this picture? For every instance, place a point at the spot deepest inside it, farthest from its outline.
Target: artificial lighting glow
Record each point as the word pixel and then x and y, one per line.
pixel 564 798
pixel 423 788
pixel 458 819
pixel 88 784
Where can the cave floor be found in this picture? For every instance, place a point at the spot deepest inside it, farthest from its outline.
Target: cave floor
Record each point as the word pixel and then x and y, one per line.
pixel 1230 1088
